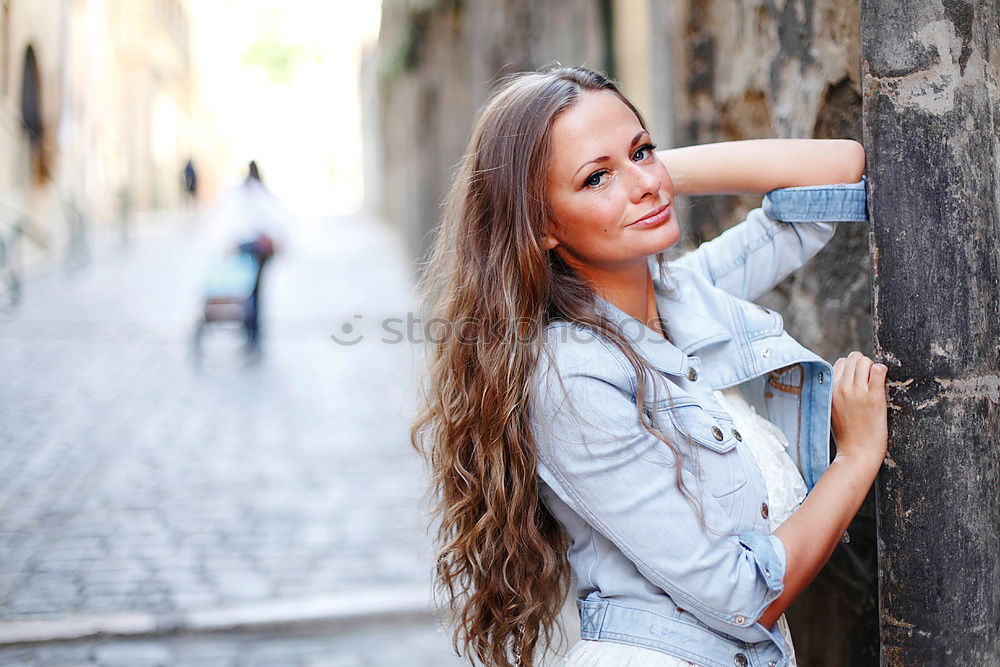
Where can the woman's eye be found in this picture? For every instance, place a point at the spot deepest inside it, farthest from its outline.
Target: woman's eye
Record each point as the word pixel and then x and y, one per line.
pixel 648 148
pixel 594 179
pixel 641 153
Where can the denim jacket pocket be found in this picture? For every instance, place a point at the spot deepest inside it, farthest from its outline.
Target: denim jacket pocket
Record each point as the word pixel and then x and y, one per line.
pixel 715 460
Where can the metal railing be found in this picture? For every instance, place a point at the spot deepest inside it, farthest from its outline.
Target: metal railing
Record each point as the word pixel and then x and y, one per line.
pixel 10 267
pixel 77 236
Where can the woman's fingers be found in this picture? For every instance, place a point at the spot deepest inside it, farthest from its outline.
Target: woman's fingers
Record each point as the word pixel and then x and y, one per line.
pixel 851 366
pixel 862 369
pixel 878 375
pixel 838 370
pixel 843 370
pixel 858 370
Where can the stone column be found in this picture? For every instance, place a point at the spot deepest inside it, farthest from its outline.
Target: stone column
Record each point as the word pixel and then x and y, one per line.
pixel 931 70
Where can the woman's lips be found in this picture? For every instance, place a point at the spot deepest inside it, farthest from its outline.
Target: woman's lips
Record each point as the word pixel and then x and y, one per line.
pixel 656 217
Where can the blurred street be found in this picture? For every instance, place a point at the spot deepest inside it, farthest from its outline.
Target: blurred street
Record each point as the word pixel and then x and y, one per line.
pixel 132 480
pixel 389 645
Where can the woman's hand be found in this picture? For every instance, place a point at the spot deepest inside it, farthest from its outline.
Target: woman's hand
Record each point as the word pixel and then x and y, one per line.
pixel 859 407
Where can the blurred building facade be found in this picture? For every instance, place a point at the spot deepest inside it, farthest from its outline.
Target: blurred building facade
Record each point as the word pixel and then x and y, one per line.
pixel 700 71
pixel 437 61
pixel 94 120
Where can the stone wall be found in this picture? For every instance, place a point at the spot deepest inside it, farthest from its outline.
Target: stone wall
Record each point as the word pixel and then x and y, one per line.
pixel 437 61
pixel 773 68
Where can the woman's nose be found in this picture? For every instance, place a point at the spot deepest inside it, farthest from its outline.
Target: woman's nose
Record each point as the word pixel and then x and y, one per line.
pixel 645 181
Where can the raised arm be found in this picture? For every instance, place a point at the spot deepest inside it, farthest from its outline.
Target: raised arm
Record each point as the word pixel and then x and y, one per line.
pixel 791 226
pixel 757 166
pixel 810 184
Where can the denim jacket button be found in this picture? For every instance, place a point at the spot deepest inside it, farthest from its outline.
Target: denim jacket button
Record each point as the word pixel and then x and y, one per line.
pixel 772 663
pixel 820 378
pixel 736 434
pixel 740 660
pixel 740 620
pixel 763 510
pixel 766 352
pixel 692 374
pixel 717 433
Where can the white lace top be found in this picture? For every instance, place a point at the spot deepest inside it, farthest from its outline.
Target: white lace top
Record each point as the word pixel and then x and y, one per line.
pixel 785 491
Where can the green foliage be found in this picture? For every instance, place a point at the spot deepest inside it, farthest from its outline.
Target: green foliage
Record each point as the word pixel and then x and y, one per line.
pixel 276 57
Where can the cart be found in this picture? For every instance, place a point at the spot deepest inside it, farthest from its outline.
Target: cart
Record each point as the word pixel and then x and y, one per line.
pixel 230 293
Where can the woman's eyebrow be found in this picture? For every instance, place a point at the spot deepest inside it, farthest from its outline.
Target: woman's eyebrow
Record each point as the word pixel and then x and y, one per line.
pixel 605 158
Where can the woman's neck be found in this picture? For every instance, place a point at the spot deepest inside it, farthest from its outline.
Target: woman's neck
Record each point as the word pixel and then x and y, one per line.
pixel 632 292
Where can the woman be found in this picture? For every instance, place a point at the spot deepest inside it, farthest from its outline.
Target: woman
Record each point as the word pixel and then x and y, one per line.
pixel 593 408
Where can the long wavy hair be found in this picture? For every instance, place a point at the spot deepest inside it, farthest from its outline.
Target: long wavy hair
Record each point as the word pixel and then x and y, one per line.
pixel 501 555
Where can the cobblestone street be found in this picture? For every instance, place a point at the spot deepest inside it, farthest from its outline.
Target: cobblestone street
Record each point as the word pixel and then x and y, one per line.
pixel 413 644
pixel 132 480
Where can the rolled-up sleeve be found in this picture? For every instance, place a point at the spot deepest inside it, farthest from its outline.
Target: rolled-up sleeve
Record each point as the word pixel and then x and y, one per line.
pixel 791 225
pixel 596 456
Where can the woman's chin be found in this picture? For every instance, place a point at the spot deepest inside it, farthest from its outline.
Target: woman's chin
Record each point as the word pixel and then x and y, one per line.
pixel 666 237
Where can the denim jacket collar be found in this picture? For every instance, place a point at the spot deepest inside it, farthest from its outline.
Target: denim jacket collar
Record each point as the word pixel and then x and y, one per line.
pixel 689 330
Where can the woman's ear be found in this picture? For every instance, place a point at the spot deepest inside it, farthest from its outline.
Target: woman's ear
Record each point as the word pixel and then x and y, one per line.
pixel 549 241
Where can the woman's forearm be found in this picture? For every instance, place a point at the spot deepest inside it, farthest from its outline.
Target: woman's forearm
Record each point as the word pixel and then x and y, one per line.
pixel 812 532
pixel 757 166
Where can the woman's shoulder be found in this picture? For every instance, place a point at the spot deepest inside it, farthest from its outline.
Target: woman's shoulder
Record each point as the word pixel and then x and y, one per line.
pixel 573 349
pixel 578 369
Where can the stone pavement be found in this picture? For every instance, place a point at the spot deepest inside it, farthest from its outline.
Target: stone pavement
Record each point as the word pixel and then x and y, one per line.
pixel 133 481
pixel 388 645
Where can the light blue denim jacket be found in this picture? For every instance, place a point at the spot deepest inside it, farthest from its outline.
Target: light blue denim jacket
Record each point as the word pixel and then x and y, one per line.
pixel 649 573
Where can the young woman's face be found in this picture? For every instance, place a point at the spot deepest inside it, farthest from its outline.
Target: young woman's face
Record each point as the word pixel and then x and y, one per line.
pixel 610 194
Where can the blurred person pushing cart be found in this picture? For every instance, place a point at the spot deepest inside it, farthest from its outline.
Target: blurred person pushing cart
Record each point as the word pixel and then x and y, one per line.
pixel 251 226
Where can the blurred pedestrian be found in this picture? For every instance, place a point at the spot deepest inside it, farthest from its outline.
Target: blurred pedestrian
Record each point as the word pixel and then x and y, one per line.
pixel 252 221
pixel 190 182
